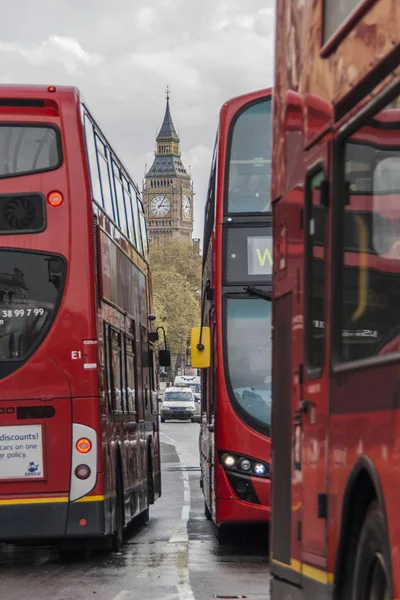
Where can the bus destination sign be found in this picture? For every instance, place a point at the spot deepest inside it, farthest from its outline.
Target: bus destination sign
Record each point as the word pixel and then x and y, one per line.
pixel 259 255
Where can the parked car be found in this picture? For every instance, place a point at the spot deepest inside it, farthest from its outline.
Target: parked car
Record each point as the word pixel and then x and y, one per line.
pixel 178 403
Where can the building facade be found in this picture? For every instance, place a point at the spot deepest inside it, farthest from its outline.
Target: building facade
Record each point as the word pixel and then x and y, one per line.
pixel 168 188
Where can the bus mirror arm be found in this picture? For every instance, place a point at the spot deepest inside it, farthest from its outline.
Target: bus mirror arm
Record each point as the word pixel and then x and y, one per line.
pixel 258 292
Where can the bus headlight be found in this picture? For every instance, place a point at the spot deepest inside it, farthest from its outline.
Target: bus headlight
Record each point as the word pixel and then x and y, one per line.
pixel 259 469
pixel 229 461
pixel 244 464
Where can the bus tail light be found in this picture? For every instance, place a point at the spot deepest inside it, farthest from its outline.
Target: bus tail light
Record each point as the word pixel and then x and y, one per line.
pixel 55 198
pixel 51 88
pixel 83 445
pixel 83 474
pixel 82 471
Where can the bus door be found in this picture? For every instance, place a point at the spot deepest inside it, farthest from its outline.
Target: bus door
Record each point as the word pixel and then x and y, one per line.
pixel 312 416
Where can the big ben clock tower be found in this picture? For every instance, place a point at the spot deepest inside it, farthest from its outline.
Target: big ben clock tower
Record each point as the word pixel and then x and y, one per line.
pixel 168 189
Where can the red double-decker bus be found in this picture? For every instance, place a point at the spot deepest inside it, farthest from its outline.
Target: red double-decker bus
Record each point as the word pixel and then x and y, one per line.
pixel 236 316
pixel 79 437
pixel 336 282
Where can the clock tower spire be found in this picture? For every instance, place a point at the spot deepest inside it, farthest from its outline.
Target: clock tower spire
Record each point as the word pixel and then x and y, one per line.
pixel 168 188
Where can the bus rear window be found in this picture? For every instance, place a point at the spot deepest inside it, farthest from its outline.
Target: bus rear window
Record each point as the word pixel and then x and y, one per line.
pixel 31 285
pixel 26 149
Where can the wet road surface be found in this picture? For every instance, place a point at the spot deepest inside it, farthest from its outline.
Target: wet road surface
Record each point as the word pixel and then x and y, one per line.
pixel 174 557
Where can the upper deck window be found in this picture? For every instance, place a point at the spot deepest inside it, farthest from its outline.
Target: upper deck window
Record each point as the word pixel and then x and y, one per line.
pixel 336 12
pixel 26 149
pixel 249 179
pixel 370 321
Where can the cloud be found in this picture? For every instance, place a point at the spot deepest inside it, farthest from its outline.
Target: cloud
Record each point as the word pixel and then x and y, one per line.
pixel 122 56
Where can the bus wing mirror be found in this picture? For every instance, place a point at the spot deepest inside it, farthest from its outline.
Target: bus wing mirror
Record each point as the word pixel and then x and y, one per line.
pixel 164 358
pixel 200 349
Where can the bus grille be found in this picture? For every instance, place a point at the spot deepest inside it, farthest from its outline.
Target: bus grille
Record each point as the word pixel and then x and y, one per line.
pixel 23 213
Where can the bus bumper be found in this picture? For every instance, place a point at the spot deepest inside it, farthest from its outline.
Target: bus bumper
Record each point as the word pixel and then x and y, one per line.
pixel 233 509
pixel 238 511
pixel 44 519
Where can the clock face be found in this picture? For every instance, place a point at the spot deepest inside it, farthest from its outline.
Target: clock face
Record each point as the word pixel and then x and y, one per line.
pixel 186 206
pixel 160 206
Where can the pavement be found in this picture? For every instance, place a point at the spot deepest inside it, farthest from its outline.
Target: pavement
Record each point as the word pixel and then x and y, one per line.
pixel 174 557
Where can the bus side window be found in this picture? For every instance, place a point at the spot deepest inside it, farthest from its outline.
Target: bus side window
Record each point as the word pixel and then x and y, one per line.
pixel 118 194
pixel 315 244
pixel 130 369
pixel 105 180
pixel 116 370
pixel 92 160
pixel 107 371
pixel 145 365
pixel 204 390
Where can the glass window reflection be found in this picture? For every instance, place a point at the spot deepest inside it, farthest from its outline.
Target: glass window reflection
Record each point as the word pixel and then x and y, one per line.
pixel 371 264
pixel 30 288
pixel 250 161
pixel 249 352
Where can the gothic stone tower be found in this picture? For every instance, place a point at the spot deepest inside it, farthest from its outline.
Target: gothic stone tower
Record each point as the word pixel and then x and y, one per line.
pixel 167 189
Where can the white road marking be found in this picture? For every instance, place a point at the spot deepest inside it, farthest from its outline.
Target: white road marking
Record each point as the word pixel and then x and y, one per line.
pixel 181 535
pixel 122 594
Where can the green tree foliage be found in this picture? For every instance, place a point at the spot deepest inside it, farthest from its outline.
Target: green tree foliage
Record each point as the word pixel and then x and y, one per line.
pixel 176 277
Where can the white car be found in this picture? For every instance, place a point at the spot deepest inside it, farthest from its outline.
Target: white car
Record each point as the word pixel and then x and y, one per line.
pixel 178 403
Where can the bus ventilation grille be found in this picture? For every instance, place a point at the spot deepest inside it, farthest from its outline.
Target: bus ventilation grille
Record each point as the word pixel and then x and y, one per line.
pixel 22 214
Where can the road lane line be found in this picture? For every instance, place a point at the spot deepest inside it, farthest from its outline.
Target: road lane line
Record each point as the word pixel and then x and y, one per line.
pixel 123 594
pixel 181 534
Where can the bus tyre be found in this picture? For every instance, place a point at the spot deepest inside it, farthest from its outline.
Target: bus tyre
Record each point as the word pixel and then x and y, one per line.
pixel 207 513
pixel 371 572
pixel 117 538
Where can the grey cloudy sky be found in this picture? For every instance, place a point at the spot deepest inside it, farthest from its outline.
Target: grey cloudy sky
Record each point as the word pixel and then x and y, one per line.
pixel 122 54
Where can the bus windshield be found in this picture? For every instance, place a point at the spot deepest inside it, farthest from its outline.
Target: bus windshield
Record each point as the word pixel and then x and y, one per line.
pixel 249 356
pixel 250 161
pixel 178 397
pixel 31 285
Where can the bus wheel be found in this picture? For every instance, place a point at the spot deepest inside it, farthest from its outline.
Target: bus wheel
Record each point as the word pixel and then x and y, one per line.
pixel 371 572
pixel 162 420
pixel 117 538
pixel 207 513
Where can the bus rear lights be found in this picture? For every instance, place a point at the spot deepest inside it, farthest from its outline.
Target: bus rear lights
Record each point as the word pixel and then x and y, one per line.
pixel 52 89
pixel 229 461
pixel 83 445
pixel 82 471
pixel 55 198
pixel 83 522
